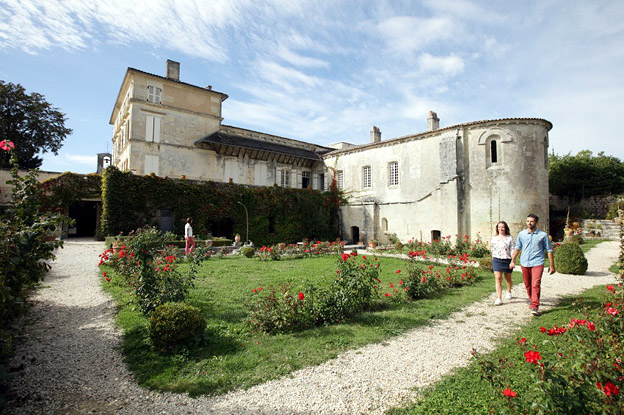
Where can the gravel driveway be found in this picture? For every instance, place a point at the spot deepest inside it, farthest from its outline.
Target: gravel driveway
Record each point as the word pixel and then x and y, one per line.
pixel 67 359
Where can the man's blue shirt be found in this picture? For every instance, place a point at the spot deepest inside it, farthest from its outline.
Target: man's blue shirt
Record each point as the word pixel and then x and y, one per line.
pixel 534 246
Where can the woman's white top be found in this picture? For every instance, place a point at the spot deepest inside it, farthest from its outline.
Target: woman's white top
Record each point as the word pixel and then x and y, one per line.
pixel 188 230
pixel 502 248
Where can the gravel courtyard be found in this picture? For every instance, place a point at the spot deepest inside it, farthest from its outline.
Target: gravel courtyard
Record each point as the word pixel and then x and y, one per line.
pixel 67 359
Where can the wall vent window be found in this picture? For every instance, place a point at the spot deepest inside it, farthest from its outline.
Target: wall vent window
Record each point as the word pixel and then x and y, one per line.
pixel 493 152
pixel 285 178
pixel 305 180
pixel 340 179
pixel 393 171
pixel 154 94
pixel 321 179
pixel 384 225
pixel 367 177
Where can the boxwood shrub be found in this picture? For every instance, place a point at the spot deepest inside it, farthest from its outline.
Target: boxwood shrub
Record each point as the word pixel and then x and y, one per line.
pixel 569 259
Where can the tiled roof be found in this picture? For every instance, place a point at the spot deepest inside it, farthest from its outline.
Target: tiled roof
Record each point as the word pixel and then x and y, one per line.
pixel 452 127
pixel 177 81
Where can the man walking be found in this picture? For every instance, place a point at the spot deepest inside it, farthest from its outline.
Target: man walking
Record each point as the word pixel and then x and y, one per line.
pixel 533 243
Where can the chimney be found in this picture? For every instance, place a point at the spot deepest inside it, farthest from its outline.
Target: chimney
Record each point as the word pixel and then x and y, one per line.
pixel 375 134
pixel 433 122
pixel 173 70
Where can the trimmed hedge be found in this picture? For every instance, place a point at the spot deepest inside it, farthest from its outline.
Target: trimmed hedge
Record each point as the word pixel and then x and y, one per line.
pixel 569 259
pixel 276 214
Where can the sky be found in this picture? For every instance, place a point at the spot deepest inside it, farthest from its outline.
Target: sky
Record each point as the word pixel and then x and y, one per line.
pixel 325 71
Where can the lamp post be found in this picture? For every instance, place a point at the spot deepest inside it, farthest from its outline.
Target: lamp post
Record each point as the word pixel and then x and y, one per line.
pixel 247 222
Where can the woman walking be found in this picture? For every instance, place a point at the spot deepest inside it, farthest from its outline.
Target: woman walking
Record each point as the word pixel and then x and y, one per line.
pixel 502 247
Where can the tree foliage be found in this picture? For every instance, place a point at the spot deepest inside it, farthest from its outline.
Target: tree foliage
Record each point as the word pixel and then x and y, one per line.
pixel 32 123
pixel 585 175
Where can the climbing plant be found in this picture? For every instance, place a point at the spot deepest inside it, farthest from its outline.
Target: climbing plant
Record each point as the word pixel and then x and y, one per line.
pixel 276 214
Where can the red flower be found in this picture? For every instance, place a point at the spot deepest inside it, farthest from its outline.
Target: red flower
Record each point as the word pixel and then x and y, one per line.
pixel 542 329
pixel 259 288
pixel 423 279
pixel 353 253
pixel 510 393
pixel 388 295
pixel 391 285
pixel 522 340
pixel 612 311
pixel 7 145
pixel 609 388
pixel 400 282
pixel 107 279
pixel 301 296
pixel 610 287
pixel 591 326
pixel 398 271
pixel 363 257
pixel 104 274
pixel 345 257
pixel 254 290
pixel 532 357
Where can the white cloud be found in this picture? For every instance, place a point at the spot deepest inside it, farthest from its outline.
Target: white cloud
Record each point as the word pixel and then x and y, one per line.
pixel 89 160
pixel 448 65
pixel 408 33
pixel 300 60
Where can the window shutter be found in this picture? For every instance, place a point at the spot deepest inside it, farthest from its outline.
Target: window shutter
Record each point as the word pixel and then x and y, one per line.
pixel 149 128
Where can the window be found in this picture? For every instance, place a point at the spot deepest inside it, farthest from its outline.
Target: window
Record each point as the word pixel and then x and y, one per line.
pixel 151 165
pixel 321 181
pixel 152 129
pixel 393 170
pixel 493 152
pixel 384 225
pixel 154 94
pixel 305 179
pixel 285 178
pixel 367 178
pixel 340 179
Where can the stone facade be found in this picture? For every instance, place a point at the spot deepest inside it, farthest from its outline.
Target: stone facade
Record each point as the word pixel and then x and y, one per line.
pixel 459 180
pixel 455 180
pixel 173 129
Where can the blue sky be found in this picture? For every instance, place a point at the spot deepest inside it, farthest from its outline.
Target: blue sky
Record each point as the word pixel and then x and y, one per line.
pixel 326 71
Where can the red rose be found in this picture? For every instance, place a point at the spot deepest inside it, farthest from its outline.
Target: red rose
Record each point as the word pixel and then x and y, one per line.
pixel 7 145
pixel 398 271
pixel 301 296
pixel 532 357
pixel 510 393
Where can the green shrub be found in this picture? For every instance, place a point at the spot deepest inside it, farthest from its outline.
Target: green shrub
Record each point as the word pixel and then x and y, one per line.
pixel 569 259
pixel 578 239
pixel 175 324
pixel 486 263
pixel 281 312
pixel 398 245
pixel 248 251
pixel 420 284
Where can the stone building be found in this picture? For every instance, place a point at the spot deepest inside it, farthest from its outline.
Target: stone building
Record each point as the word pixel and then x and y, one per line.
pixel 170 128
pixel 446 181
pixel 458 180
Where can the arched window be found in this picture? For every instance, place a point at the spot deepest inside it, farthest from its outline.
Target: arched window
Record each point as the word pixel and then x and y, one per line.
pixel 384 225
pixel 493 152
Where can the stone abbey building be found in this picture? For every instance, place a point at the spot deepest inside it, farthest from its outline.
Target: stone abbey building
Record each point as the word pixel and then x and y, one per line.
pixel 460 179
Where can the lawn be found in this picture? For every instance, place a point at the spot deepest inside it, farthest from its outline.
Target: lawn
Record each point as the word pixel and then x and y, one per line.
pixel 235 357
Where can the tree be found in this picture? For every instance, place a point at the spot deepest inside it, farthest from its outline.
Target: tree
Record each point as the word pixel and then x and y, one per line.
pixel 585 175
pixel 31 123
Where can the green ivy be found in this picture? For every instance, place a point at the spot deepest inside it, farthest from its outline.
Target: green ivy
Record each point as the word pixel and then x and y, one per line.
pixel 276 214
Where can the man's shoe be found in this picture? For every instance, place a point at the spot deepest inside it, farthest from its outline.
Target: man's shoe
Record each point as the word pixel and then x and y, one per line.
pixel 534 311
pixel 498 302
pixel 508 295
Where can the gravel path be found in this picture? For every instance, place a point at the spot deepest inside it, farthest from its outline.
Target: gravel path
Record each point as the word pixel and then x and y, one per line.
pixel 67 360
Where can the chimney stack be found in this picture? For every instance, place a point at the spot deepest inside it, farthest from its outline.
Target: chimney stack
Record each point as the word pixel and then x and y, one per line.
pixel 375 134
pixel 173 70
pixel 433 122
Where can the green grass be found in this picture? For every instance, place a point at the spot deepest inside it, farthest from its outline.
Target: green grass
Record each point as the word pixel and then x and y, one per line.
pixel 235 357
pixel 465 392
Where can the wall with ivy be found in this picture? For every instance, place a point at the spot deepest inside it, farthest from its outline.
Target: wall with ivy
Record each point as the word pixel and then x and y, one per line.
pixel 276 214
